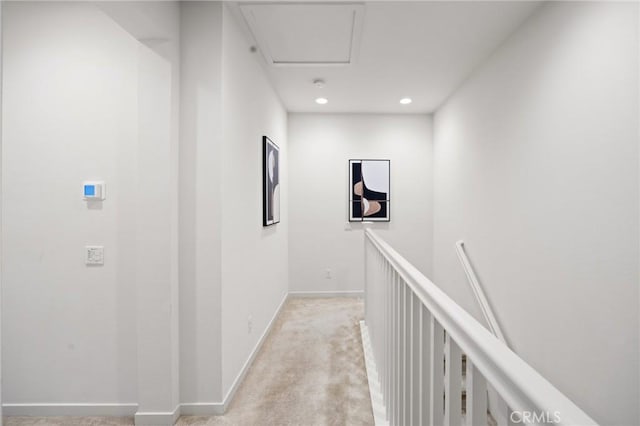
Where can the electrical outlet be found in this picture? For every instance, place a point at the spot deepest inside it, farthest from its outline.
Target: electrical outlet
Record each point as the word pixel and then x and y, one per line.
pixel 328 274
pixel 249 324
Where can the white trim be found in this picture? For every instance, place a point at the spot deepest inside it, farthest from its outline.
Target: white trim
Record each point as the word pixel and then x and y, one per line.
pixel 162 418
pixel 357 9
pixel 375 391
pixel 219 408
pixel 202 408
pixel 494 326
pixel 77 409
pixel 346 293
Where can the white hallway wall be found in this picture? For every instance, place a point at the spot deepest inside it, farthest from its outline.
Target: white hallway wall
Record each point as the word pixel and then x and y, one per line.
pixel 200 207
pixel 255 263
pixel 156 245
pixel 83 110
pixel 231 267
pixel 156 26
pixel 1 421
pixel 86 97
pixel 537 171
pixel 320 147
pixel 70 114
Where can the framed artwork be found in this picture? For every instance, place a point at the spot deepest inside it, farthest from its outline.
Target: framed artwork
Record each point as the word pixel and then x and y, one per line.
pixel 369 190
pixel 270 182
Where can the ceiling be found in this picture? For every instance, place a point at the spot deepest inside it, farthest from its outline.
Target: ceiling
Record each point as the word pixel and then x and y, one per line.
pixel 372 54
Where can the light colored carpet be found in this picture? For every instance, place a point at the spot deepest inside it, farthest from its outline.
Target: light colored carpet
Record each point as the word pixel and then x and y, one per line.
pixel 310 371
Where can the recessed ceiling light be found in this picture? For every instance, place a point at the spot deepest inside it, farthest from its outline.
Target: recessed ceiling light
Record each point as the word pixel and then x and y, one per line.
pixel 322 101
pixel 405 101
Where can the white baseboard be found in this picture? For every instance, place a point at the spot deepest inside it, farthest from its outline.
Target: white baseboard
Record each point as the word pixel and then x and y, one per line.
pixel 245 368
pixel 347 293
pixel 375 391
pixel 187 408
pixel 148 418
pixel 87 409
pixel 202 408
pixel 78 409
pixel 219 408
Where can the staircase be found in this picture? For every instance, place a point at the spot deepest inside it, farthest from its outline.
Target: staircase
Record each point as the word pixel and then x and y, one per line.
pixel 431 363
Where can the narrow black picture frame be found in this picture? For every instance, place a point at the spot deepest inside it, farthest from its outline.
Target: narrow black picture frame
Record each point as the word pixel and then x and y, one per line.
pixel 350 198
pixel 270 184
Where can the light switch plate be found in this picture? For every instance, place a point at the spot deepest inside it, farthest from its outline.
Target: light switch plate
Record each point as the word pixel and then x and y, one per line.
pixel 94 255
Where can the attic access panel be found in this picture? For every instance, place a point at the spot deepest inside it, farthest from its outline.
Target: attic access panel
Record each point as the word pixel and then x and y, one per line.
pixel 305 34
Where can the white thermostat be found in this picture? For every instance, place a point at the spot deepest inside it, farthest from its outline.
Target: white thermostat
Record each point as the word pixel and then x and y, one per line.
pixel 94 255
pixel 93 190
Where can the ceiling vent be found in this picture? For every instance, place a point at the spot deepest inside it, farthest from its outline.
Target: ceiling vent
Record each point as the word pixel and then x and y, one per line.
pixel 298 34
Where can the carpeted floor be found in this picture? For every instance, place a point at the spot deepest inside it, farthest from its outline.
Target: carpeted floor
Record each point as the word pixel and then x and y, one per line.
pixel 310 371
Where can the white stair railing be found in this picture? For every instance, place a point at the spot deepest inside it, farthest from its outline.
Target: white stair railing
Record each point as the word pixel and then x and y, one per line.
pixel 497 408
pixel 417 335
pixel 487 312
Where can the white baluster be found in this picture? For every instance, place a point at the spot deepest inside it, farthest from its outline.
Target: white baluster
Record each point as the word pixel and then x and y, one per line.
pixel 400 350
pixel 425 366
pixel 416 356
pixel 407 354
pixel 401 354
pixel 499 409
pixel 476 396
pixel 367 278
pixel 387 349
pixel 453 383
pixel 385 361
pixel 437 374
pixel 396 341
